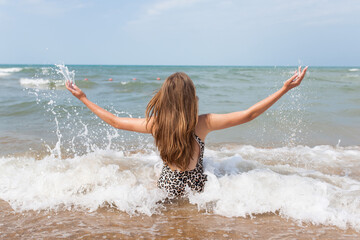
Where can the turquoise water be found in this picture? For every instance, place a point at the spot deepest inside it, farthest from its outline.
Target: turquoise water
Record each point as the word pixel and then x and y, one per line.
pixel 325 109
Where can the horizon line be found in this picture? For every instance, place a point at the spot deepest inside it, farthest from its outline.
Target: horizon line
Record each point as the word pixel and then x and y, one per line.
pixel 175 65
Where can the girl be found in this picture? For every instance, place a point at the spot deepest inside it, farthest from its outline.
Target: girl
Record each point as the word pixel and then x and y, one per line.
pixel 172 118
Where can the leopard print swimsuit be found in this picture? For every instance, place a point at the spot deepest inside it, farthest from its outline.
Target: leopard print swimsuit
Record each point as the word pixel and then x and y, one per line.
pixel 175 182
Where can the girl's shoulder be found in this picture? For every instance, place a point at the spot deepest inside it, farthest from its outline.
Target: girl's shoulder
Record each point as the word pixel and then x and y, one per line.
pixel 201 129
pixel 203 119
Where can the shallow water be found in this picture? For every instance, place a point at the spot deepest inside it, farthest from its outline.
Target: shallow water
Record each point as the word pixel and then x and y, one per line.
pixel 180 221
pixel 292 173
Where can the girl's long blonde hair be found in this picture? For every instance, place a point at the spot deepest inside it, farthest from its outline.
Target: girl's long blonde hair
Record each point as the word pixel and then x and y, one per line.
pixel 173 112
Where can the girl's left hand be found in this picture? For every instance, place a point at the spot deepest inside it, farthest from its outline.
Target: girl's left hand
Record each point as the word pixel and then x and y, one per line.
pixel 296 79
pixel 75 90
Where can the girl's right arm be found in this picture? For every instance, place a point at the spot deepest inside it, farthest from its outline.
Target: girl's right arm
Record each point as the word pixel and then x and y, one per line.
pixel 129 124
pixel 213 122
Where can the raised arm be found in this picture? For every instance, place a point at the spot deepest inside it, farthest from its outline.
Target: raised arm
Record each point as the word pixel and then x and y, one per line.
pixel 220 121
pixel 130 124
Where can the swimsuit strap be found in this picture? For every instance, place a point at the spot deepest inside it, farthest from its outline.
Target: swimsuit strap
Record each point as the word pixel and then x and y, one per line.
pixel 198 140
pixel 202 147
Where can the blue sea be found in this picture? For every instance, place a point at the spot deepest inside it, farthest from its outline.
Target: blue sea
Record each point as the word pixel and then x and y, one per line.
pixel 297 166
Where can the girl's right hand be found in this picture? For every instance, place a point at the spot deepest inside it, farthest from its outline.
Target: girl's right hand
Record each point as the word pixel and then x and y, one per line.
pixel 296 79
pixel 75 90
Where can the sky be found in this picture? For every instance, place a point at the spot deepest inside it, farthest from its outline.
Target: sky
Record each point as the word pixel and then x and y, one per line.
pixel 181 32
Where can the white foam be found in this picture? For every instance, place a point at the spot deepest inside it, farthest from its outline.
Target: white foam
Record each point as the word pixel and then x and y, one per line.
pixel 238 188
pixel 302 198
pixel 10 70
pixel 46 70
pixel 34 81
pixel 299 183
pixel 354 70
pixel 3 74
pixel 39 82
pixel 86 182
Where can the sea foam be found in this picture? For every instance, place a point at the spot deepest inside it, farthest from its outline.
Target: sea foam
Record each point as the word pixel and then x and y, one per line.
pixel 86 182
pixel 40 83
pixel 239 184
pixel 8 71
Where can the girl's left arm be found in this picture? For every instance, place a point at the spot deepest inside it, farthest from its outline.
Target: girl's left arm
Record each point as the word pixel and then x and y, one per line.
pixel 220 121
pixel 129 124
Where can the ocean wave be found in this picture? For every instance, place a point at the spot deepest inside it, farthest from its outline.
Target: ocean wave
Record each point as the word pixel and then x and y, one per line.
pixel 354 70
pixel 34 81
pixel 40 83
pixel 136 83
pixel 10 70
pixel 4 74
pixel 86 182
pixel 242 181
pixel 302 198
pixel 46 70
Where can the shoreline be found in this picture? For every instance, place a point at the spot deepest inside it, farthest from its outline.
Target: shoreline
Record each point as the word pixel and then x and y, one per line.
pixel 181 220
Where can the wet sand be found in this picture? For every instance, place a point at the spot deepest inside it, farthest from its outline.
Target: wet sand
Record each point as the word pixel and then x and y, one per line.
pixel 180 220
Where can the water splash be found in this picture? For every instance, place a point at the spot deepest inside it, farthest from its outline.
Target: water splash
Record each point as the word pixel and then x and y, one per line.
pixel 64 71
pixel 286 120
pixel 72 131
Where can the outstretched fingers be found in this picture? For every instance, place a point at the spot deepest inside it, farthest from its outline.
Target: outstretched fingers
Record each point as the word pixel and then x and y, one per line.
pixel 293 77
pixel 70 87
pixel 301 75
pixel 67 85
pixel 75 87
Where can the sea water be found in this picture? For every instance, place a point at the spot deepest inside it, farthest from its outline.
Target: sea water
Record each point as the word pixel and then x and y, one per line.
pixel 300 160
